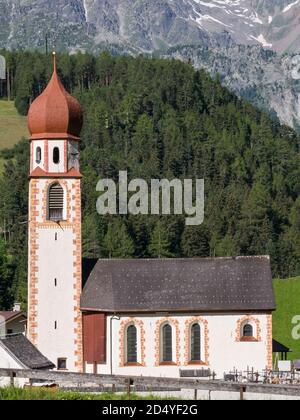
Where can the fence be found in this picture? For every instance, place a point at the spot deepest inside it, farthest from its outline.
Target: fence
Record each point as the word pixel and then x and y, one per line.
pixel 266 377
pixel 81 380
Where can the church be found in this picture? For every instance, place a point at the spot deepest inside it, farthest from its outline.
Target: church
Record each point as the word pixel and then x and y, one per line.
pixel 167 317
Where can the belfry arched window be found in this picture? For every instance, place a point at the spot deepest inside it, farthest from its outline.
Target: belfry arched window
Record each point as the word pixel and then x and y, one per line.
pixel 131 344
pixel 56 155
pixel 55 202
pixel 38 155
pixel 195 342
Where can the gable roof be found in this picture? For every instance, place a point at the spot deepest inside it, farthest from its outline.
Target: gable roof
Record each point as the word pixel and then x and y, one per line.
pixel 25 352
pixel 209 284
pixel 10 315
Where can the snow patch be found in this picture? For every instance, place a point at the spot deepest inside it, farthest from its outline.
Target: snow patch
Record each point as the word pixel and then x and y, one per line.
pixel 262 40
pixel 287 8
pixel 85 9
pixel 208 17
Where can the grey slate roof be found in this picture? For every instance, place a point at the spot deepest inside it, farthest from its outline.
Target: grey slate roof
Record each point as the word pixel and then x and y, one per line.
pixel 25 352
pixel 210 284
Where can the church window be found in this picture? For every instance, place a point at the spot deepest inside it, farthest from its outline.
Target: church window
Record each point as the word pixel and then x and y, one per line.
pixel 55 202
pixel 195 342
pixel 247 330
pixel 131 344
pixel 167 353
pixel 38 155
pixel 56 155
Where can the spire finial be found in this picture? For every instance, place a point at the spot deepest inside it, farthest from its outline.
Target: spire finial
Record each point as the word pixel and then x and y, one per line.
pixel 54 61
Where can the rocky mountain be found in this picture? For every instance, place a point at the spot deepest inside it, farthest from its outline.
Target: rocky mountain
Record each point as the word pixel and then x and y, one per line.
pixel 146 25
pixel 237 39
pixel 269 80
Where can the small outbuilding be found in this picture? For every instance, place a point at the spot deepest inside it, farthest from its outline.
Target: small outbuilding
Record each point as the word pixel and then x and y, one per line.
pixel 12 322
pixel 17 352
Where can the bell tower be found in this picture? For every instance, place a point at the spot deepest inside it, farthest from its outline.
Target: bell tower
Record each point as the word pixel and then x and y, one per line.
pixel 54 253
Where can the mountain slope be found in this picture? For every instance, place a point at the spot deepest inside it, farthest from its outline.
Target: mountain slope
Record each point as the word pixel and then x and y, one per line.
pixel 148 24
pixel 263 77
pixel 215 30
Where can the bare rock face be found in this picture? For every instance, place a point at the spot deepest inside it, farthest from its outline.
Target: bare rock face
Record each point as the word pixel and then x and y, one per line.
pixel 235 38
pixel 269 80
pixel 146 25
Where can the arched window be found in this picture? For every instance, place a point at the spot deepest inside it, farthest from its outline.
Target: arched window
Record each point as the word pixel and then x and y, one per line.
pixel 131 344
pixel 55 202
pixel 167 354
pixel 38 155
pixel 195 343
pixel 56 156
pixel 247 330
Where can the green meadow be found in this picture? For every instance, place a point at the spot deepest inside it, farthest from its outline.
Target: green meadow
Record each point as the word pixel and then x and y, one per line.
pixel 12 126
pixel 44 394
pixel 288 306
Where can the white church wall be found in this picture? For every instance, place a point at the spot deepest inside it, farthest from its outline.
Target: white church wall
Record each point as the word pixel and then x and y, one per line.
pixel 55 295
pixel 220 350
pixel 54 253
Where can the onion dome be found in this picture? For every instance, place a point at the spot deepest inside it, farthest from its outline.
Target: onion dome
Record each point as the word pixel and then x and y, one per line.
pixel 55 114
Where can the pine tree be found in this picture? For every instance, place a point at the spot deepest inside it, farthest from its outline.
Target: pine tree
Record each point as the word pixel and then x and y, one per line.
pixel 5 279
pixel 160 244
pixel 117 243
pixel 195 242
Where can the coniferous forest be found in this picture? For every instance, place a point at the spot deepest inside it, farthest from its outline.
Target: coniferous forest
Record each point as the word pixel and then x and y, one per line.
pixel 159 119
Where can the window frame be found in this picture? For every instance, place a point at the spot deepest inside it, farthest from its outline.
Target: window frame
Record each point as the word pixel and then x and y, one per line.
pixel 38 155
pixel 162 344
pixel 56 153
pixel 192 360
pixel 61 216
pixel 255 331
pixel 64 360
pixel 127 361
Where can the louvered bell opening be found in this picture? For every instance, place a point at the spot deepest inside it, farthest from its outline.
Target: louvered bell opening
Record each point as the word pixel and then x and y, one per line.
pixel 196 343
pixel 131 344
pixel 56 203
pixel 167 355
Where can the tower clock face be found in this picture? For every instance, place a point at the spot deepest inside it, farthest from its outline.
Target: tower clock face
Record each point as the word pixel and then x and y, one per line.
pixel 73 156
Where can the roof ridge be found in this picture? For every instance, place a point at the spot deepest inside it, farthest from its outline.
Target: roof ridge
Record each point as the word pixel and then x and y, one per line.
pixel 233 258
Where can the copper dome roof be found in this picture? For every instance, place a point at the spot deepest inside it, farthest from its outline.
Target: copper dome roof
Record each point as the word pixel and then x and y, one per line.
pixel 55 114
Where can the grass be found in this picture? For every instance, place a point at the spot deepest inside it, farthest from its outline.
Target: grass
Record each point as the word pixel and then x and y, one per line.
pixel 287 294
pixel 44 394
pixel 12 125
